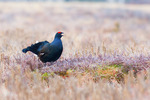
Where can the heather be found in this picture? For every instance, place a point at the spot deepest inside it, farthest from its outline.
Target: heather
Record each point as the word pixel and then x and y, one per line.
pixel 106 51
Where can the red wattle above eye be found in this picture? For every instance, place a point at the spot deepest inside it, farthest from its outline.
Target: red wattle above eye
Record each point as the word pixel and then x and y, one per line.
pixel 58 32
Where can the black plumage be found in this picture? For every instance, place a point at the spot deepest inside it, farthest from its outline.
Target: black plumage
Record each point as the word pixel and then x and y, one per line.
pixel 47 52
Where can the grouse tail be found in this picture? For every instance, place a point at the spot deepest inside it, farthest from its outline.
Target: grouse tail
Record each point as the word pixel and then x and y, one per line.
pixel 35 48
pixel 25 50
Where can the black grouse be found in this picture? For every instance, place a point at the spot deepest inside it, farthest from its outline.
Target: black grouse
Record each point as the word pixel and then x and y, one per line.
pixel 47 52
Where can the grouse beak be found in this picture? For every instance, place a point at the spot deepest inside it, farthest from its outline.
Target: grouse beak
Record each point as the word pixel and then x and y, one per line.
pixel 62 34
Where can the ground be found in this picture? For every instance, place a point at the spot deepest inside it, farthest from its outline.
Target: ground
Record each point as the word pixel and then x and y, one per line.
pixel 106 51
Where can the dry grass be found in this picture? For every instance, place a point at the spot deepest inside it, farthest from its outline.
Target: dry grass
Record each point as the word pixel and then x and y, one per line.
pixel 106 52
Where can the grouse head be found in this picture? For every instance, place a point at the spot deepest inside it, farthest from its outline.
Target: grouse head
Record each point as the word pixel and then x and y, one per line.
pixel 59 35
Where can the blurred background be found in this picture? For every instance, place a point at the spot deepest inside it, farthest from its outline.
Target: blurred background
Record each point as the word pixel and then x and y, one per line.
pixel 88 25
pixel 108 1
pixel 110 36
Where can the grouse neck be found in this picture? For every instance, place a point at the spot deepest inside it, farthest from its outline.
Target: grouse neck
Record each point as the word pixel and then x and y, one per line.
pixel 57 38
pixel 56 41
